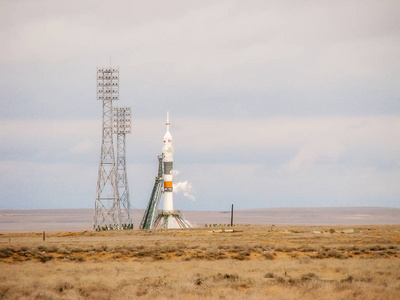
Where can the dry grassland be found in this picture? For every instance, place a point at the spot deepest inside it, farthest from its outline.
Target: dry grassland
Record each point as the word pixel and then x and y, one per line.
pixel 291 262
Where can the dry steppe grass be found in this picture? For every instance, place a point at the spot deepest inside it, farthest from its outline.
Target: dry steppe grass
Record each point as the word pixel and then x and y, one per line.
pixel 290 262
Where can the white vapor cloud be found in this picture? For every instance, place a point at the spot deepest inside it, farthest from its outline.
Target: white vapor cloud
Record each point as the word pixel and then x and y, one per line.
pixel 175 172
pixel 183 187
pixel 186 188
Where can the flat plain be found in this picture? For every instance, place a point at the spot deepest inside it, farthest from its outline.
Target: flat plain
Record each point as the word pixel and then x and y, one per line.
pixel 252 261
pixel 55 220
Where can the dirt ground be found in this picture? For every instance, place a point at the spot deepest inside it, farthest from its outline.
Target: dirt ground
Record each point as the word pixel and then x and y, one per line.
pixel 255 262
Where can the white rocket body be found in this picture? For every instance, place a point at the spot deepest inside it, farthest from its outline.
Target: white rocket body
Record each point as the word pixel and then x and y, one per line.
pixel 168 160
pixel 168 218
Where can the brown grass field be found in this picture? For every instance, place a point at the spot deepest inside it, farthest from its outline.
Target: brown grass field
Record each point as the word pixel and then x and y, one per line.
pixel 253 262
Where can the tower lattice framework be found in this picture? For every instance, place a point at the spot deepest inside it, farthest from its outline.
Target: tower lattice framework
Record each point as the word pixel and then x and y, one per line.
pixel 107 212
pixel 150 214
pixel 122 126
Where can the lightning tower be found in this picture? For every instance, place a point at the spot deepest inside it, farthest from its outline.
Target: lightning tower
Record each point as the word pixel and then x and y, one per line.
pixel 107 213
pixel 122 126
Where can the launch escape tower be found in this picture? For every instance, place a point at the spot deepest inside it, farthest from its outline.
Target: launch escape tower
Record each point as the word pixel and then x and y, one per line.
pixel 107 213
pixel 122 126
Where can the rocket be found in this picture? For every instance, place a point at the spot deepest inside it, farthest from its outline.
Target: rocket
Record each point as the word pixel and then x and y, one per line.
pixel 168 218
pixel 168 160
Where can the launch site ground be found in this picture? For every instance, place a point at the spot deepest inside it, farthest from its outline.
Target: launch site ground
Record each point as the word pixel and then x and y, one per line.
pixel 244 262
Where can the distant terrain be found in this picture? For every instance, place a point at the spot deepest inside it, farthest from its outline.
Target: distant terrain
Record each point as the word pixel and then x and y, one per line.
pixel 53 220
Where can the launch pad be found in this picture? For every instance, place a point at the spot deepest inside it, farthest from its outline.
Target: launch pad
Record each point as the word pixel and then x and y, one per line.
pixel 169 220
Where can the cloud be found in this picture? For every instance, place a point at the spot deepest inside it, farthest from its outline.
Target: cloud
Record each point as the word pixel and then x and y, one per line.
pixel 222 59
pixel 257 163
pixel 259 185
pixel 378 133
pixel 292 96
pixel 207 42
pixel 84 146
pixel 298 141
pixel 46 185
pixel 309 153
pixel 41 141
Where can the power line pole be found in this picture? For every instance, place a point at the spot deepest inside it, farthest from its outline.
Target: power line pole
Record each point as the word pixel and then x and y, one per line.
pixel 232 216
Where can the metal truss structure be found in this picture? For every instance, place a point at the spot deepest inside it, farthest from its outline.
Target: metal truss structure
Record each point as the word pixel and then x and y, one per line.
pixel 152 219
pixel 107 213
pixel 166 218
pixel 122 126
pixel 150 214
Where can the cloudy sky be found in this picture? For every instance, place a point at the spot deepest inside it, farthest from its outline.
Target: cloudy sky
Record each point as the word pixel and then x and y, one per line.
pixel 272 103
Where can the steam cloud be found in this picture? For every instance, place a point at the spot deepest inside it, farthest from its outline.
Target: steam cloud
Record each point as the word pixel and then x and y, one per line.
pixel 175 172
pixel 186 188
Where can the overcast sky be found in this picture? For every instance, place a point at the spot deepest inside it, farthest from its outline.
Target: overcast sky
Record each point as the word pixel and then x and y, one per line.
pixel 272 103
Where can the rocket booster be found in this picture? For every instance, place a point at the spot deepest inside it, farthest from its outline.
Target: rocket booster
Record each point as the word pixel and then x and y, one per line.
pixel 168 160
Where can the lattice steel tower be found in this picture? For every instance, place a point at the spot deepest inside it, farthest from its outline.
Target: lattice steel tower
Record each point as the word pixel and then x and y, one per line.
pixel 122 126
pixel 107 214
